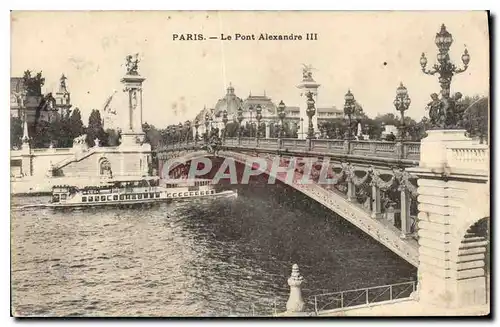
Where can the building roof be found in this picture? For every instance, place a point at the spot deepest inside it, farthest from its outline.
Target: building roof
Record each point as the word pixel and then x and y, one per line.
pixel 292 109
pixel 262 100
pixel 229 102
pixel 332 109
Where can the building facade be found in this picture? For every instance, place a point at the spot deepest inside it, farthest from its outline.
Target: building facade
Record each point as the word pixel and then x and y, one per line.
pixel 295 119
pixel 27 99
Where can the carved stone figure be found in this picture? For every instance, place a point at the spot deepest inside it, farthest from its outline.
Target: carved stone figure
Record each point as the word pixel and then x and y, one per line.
pixel 307 72
pixel 96 142
pixel 434 109
pixel 132 65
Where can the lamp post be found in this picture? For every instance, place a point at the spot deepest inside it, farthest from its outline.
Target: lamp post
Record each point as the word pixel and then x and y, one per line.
pixel 301 127
pixel 179 127
pixel 402 103
pixel 444 112
pixel 349 106
pixel 250 109
pixel 188 130
pixel 281 116
pixel 207 117
pixel 258 116
pixel 310 111
pixel 224 121
pixel 196 125
pixel 240 119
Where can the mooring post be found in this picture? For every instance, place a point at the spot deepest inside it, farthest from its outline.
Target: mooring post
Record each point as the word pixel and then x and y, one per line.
pixel 295 303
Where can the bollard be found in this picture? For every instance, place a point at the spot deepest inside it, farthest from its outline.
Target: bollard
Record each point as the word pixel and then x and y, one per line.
pixel 295 302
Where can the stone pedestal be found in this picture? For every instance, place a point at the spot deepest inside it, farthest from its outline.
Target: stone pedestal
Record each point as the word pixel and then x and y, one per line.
pixel 433 148
pixel 295 303
pixel 451 199
pixel 132 133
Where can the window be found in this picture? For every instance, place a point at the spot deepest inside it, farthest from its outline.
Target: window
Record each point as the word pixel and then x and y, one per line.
pixel 91 198
pixel 174 195
pixel 122 196
pixel 157 194
pixel 151 195
pixel 96 198
pixel 133 197
pixel 103 198
pixel 186 193
pixel 63 196
pixel 55 198
pixel 139 196
pixel 115 197
pixel 108 198
pixel 127 196
pixel 145 195
pixel 84 199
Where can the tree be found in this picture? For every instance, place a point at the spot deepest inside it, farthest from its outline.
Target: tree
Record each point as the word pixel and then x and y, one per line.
pixel 153 136
pixel 113 137
pixel 16 132
pixel 232 129
pixel 96 130
pixel 476 120
pixel 76 127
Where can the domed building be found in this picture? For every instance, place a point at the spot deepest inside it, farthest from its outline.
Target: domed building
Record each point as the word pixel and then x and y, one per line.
pixel 231 106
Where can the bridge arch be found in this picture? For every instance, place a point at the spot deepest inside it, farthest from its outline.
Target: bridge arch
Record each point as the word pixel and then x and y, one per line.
pixel 332 200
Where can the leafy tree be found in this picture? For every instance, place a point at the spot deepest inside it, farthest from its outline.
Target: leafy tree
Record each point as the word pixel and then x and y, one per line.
pixel 232 129
pixel 153 136
pixel 95 130
pixel 113 137
pixel 16 132
pixel 76 127
pixel 476 120
pixel 40 134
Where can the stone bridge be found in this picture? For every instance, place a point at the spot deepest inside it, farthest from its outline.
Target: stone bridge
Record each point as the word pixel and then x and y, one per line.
pixel 427 202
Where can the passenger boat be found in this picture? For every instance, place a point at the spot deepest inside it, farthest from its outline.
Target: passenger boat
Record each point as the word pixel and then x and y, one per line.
pixel 145 191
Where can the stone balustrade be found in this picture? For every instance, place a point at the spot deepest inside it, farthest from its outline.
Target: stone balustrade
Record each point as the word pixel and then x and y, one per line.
pixel 381 149
pixel 475 157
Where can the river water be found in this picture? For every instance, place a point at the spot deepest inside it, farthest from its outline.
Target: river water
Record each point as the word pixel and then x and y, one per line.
pixel 211 257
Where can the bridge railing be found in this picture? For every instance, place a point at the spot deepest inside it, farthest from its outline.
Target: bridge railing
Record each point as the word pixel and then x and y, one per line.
pixel 404 150
pixel 361 297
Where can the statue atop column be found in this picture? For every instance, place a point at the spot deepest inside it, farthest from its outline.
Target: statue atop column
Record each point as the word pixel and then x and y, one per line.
pixel 307 72
pixel 132 64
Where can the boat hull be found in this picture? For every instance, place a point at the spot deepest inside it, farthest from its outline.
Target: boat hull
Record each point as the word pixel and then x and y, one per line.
pixel 135 203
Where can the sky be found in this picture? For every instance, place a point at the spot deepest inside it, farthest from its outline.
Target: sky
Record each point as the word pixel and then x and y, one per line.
pixel 369 53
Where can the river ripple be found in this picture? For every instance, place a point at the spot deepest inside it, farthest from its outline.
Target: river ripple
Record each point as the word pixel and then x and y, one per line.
pixel 207 257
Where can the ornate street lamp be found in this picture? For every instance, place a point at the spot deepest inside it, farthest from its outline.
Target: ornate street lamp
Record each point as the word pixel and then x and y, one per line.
pixel 402 103
pixel 224 121
pixel 188 130
pixel 281 116
pixel 258 116
pixel 349 106
pixel 207 118
pixel 444 112
pixel 310 111
pixel 196 125
pixel 250 109
pixel 179 128
pixel 240 119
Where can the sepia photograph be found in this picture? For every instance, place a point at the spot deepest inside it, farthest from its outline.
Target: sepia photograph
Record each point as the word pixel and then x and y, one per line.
pixel 249 164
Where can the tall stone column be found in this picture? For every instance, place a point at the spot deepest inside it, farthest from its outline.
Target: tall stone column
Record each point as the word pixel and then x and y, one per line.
pixel 268 129
pixel 132 133
pixel 376 203
pixel 405 211
pixel 351 190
